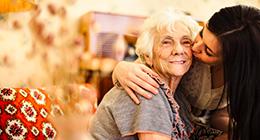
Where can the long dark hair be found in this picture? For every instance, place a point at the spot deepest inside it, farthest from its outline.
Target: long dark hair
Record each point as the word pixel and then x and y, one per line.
pixel 238 30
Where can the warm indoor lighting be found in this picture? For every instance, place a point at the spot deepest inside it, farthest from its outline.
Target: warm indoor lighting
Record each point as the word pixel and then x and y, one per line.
pixel 7 6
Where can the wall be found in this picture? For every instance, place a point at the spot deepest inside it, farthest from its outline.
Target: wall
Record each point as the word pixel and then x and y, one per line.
pixel 201 9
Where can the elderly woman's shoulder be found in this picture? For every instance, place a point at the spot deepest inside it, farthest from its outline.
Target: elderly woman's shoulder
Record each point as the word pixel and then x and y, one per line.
pixel 118 97
pixel 115 97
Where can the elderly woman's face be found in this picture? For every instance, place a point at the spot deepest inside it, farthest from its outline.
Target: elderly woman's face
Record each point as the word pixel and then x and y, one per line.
pixel 172 54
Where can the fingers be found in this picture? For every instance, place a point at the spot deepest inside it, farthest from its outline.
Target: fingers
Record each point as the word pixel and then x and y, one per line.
pixel 142 79
pixel 144 86
pixel 140 90
pixel 147 78
pixel 134 78
pixel 132 95
pixel 148 70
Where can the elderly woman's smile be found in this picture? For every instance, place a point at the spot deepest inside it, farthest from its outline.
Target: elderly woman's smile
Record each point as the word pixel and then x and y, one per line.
pixel 179 60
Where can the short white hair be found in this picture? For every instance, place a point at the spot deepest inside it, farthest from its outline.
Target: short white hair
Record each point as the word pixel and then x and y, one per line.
pixel 159 22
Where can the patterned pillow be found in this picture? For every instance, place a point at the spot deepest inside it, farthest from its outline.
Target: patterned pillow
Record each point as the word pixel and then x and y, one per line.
pixel 25 114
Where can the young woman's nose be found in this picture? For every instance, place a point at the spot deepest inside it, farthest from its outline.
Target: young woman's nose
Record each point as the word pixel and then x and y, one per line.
pixel 197 47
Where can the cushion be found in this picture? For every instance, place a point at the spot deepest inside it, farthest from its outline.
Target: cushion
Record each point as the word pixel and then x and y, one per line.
pixel 25 114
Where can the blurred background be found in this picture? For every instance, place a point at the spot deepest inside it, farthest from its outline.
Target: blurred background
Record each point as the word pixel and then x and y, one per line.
pixel 48 43
pixel 37 37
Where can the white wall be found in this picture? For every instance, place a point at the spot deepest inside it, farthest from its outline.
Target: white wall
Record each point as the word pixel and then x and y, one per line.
pixel 201 9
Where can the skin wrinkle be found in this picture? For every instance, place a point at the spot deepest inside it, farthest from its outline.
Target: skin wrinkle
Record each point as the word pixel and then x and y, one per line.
pixel 171 48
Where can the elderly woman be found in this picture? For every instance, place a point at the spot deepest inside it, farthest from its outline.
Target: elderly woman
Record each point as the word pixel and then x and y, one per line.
pixel 164 46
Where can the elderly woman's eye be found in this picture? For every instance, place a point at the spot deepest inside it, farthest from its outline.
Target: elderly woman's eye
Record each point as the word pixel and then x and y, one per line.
pixel 187 43
pixel 167 42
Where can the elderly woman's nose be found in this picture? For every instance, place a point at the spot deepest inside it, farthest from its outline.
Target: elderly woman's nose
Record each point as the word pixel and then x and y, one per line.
pixel 178 48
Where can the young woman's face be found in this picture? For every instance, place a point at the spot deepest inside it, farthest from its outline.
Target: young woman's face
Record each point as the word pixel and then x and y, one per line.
pixel 207 48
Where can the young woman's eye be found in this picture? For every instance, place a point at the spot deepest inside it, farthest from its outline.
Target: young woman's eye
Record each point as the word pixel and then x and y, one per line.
pixel 207 52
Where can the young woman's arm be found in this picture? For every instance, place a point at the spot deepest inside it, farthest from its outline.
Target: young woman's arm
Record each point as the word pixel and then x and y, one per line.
pixel 220 119
pixel 133 78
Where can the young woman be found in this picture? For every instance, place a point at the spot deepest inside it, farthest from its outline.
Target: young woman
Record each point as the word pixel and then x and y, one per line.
pixel 230 45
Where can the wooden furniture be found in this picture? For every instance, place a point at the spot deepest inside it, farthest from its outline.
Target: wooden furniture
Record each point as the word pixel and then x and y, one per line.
pixel 101 30
pixel 109 38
